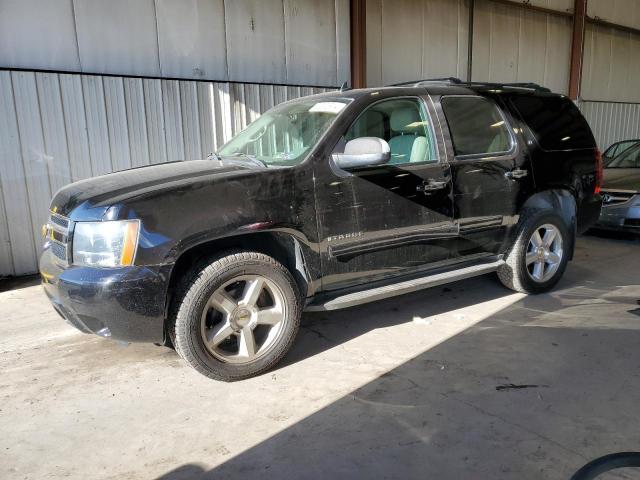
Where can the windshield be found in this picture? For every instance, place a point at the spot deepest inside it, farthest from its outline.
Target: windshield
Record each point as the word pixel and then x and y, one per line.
pixel 284 135
pixel 628 159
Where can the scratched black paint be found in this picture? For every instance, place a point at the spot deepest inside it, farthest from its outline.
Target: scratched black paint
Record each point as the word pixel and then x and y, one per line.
pixel 371 224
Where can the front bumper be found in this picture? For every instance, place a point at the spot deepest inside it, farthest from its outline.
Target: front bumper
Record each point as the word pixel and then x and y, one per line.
pixel 126 303
pixel 622 216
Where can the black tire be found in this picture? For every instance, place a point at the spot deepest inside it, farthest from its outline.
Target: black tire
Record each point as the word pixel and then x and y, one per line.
pixel 514 273
pixel 195 290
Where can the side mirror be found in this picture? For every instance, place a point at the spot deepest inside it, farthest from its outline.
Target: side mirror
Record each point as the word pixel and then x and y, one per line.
pixel 363 151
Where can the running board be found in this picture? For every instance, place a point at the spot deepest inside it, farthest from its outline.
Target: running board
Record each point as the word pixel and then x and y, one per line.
pixel 387 291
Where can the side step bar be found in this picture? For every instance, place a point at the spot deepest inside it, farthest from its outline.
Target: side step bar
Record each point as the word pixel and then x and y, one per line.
pixel 387 291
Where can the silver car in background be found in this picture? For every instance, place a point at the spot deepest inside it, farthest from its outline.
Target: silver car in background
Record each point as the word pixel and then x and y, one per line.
pixel 621 192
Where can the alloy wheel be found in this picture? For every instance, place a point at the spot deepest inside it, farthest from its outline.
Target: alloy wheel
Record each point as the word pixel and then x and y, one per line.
pixel 544 253
pixel 243 319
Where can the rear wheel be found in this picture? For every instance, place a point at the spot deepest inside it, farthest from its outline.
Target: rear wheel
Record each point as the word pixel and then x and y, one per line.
pixel 238 316
pixel 539 255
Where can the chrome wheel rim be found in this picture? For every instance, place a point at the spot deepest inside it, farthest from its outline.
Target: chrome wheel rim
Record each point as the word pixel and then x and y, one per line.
pixel 544 253
pixel 243 319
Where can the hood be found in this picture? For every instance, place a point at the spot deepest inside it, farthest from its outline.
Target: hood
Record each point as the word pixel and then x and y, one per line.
pixel 90 199
pixel 621 179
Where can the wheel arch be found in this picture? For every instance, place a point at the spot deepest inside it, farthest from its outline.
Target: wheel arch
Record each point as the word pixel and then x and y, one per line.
pixel 293 254
pixel 561 201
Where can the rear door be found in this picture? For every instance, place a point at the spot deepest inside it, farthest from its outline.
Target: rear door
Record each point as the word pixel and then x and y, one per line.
pixel 379 221
pixel 490 172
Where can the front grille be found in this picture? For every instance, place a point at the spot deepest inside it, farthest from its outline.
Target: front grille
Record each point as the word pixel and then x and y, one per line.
pixel 58 236
pixel 59 250
pixel 59 220
pixel 615 198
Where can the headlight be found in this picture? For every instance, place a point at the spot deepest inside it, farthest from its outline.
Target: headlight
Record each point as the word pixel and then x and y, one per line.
pixel 105 244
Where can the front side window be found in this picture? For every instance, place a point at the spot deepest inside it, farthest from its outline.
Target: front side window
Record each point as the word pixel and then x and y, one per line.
pixel 477 127
pixel 286 134
pixel 404 124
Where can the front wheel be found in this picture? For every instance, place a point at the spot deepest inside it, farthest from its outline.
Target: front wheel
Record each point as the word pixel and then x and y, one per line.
pixel 238 316
pixel 539 254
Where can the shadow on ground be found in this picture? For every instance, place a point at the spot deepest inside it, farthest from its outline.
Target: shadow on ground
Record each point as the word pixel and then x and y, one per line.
pixel 535 391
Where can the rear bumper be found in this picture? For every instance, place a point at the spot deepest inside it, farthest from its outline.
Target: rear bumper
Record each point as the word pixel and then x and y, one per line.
pixel 125 303
pixel 588 212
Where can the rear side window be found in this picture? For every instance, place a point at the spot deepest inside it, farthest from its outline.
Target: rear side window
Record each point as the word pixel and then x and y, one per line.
pixel 555 121
pixel 477 127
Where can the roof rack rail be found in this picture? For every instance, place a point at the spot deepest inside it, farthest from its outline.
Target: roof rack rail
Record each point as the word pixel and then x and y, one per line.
pixel 416 83
pixel 527 85
pixel 457 81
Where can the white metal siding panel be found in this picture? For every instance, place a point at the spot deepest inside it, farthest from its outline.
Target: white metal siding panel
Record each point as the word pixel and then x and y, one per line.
pixel 374 42
pixel 118 36
pixel 414 39
pixel 75 126
pixel 136 121
pixel 622 12
pixel 255 40
pixel 38 34
pixel 310 41
pixel 514 45
pixel 190 120
pixel 445 39
pixel 343 42
pixel 154 112
pixel 611 65
pixel 56 154
pixel 206 109
pixel 14 186
pixel 281 41
pixel 612 122
pixel 191 38
pixel 117 123
pixel 6 264
pixel 32 148
pixel 402 23
pixel 172 120
pixel 68 127
pixel 97 130
pixel 560 5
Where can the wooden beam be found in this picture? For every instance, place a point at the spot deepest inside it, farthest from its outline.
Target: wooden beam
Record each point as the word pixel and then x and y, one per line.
pixel 577 48
pixel 358 22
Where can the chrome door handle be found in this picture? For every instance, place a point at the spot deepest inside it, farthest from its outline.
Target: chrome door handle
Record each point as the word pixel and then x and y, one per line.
pixel 431 186
pixel 515 174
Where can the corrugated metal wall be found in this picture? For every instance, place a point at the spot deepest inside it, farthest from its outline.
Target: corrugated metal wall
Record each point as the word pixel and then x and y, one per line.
pixel 304 42
pixel 612 122
pixel 511 44
pixel 621 12
pixel 611 69
pixel 413 39
pixel 59 128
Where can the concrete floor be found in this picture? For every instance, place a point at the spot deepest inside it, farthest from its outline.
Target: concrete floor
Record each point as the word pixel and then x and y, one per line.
pixel 420 386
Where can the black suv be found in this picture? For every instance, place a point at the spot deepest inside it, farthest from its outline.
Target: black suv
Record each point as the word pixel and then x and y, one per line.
pixel 322 203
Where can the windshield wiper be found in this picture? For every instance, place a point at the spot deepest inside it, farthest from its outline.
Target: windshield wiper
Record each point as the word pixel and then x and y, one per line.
pixel 252 158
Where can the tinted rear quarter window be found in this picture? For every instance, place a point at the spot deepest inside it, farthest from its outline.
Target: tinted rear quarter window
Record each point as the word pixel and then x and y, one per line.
pixel 555 121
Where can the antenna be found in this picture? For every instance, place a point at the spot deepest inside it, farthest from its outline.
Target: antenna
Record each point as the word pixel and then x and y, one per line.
pixel 344 87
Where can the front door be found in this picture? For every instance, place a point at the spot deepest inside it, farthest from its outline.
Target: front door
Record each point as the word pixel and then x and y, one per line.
pixel 378 221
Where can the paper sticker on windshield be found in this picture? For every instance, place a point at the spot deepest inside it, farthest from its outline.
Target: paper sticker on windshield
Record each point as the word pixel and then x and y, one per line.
pixel 327 107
